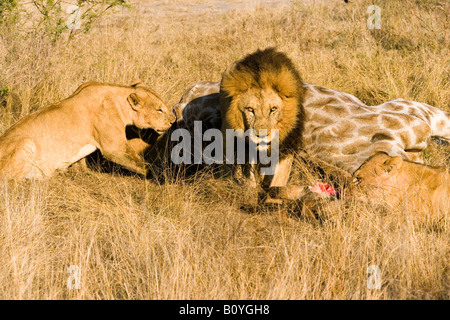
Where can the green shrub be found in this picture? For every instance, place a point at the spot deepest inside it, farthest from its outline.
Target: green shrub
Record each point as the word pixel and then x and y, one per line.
pixel 9 12
pixel 51 21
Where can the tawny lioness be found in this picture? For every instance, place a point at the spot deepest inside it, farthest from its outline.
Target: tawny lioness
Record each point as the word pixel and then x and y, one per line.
pixel 393 180
pixel 94 117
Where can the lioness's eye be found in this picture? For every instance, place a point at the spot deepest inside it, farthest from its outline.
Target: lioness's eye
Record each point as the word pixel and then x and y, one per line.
pixel 159 111
pixel 357 180
pixel 249 109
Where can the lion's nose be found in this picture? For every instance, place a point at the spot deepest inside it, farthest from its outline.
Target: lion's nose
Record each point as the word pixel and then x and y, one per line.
pixel 262 133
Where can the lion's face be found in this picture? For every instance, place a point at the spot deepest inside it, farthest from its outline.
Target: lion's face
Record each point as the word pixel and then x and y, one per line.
pixel 378 177
pixel 261 111
pixel 263 92
pixel 149 111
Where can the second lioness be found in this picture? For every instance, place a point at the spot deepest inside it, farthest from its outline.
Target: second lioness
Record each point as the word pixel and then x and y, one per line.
pixel 94 117
pixel 393 180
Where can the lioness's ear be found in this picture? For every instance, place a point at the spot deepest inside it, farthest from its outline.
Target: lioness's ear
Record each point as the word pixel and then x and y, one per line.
pixel 137 83
pixel 133 100
pixel 393 164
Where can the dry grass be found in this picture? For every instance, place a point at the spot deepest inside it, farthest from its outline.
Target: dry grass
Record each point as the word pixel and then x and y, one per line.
pixel 136 239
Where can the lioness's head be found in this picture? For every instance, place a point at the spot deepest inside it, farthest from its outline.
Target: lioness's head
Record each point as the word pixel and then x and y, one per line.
pixel 262 92
pixel 149 110
pixel 378 176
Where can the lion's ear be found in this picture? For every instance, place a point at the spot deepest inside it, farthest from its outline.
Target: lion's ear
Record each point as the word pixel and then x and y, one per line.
pixel 235 81
pixel 137 83
pixel 230 68
pixel 286 85
pixel 134 101
pixel 393 164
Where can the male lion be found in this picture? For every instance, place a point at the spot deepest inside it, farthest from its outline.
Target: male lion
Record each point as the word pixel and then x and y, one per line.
pixel 94 117
pixel 394 180
pixel 261 92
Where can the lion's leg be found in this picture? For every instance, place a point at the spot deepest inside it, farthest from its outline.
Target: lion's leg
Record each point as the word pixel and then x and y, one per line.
pixel 282 172
pixel 288 192
pixel 276 184
pixel 245 174
pixel 238 172
pixel 20 162
pixel 229 169
pixel 138 145
pixel 80 165
pixel 253 176
pixel 128 157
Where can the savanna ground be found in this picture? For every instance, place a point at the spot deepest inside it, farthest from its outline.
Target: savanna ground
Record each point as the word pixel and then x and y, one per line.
pixel 189 239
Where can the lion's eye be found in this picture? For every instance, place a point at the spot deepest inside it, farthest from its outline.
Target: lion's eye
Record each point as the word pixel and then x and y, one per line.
pixel 159 111
pixel 273 109
pixel 249 109
pixel 357 180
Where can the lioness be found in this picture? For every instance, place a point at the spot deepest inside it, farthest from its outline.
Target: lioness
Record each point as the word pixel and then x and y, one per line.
pixel 94 117
pixel 394 180
pixel 261 92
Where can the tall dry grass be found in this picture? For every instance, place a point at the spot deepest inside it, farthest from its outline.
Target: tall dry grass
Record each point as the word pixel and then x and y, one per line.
pixel 136 239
